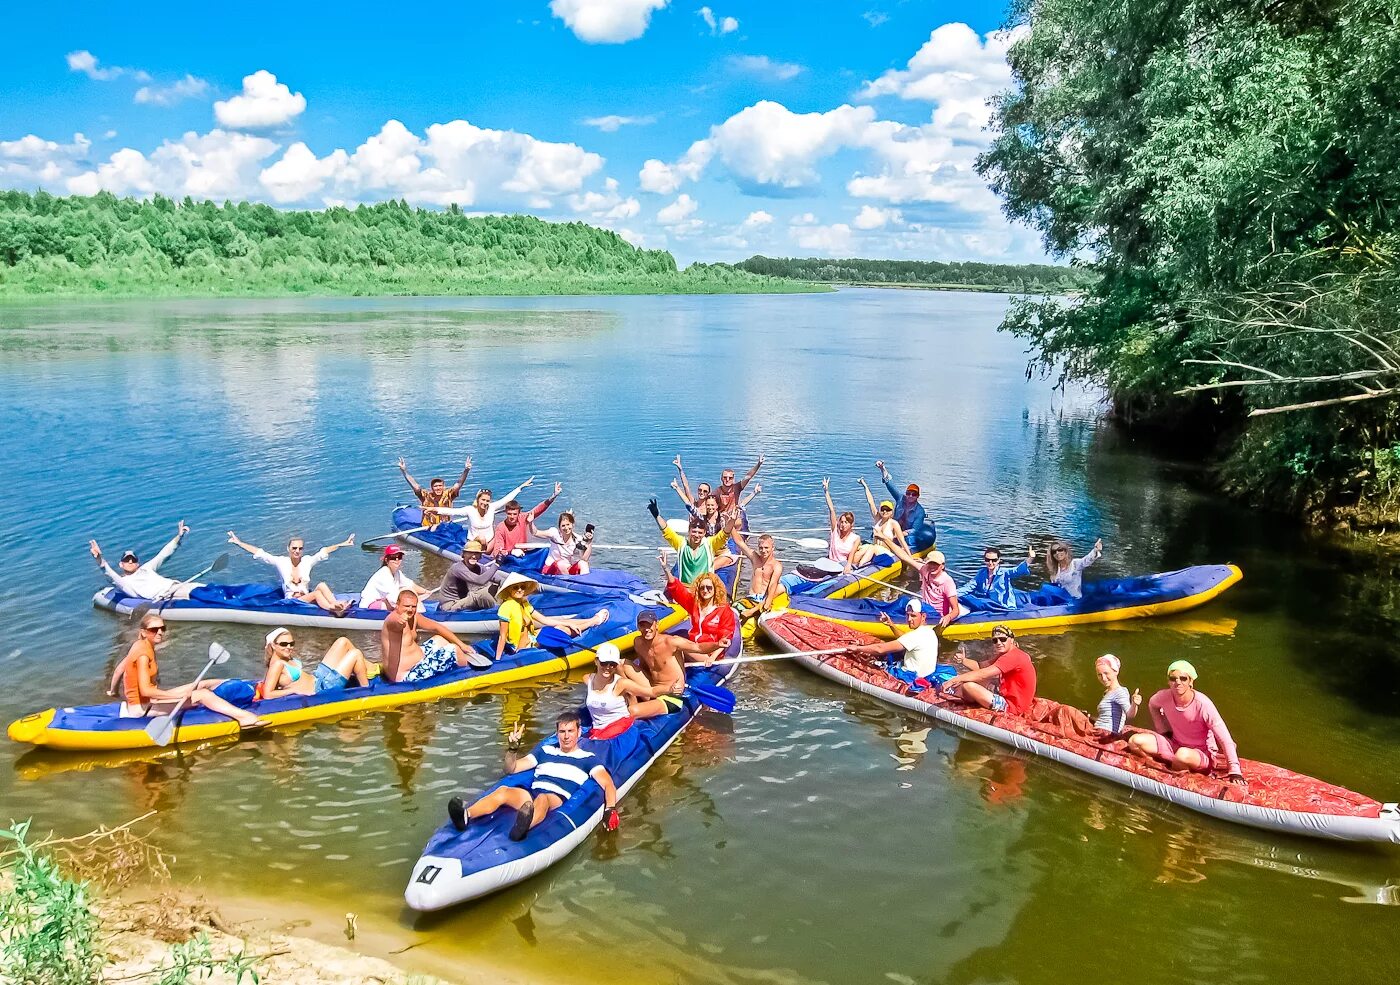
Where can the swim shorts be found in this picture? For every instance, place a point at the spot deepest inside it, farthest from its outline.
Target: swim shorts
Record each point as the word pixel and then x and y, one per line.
pixel 674 703
pixel 328 679
pixel 439 656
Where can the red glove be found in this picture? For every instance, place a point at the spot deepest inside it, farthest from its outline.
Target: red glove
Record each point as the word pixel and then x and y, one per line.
pixel 611 821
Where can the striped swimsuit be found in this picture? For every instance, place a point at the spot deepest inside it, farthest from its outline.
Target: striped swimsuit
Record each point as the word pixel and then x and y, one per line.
pixel 561 773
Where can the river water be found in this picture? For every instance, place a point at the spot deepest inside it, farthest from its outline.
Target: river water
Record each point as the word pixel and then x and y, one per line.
pixel 818 836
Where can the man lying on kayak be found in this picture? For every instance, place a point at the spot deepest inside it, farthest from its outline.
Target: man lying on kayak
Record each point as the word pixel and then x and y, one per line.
pixel 662 672
pixel 437 494
pixel 919 644
pixel 143 581
pixel 561 770
pixel 1006 683
pixel 294 567
pixel 405 660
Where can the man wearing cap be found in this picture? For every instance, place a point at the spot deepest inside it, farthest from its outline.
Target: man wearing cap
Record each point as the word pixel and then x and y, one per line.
pixel 470 584
pixel 1006 683
pixel 144 581
pixel 383 587
pixel 437 494
pixel 662 659
pixel 514 528
pixel 407 661
pixel 937 587
pixel 913 518
pixel 1189 731
pixel 919 644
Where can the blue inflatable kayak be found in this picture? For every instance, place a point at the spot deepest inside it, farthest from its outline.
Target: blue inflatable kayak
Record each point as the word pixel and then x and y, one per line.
pixel 1109 600
pixel 459 866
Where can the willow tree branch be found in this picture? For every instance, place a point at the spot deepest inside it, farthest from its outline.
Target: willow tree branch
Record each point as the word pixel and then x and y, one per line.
pixel 1371 395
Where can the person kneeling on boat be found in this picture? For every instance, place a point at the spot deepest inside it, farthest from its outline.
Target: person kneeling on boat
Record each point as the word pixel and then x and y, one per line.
pixel 568 552
pixel 662 674
pixel 1188 726
pixel 405 659
pixel 294 567
pixel 919 645
pixel 285 675
pixel 520 622
pixel 611 694
pixel 143 697
pixel 561 770
pixel 711 618
pixel 470 584
pixel 1005 684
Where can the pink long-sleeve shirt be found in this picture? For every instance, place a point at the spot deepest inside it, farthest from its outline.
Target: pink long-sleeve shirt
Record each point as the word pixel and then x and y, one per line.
pixel 1196 725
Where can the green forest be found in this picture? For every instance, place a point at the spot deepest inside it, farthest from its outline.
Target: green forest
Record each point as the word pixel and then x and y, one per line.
pixel 1027 278
pixel 104 245
pixel 1232 174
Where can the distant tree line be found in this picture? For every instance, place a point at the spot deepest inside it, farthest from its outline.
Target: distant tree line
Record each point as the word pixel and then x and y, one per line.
pixel 1013 278
pixel 106 244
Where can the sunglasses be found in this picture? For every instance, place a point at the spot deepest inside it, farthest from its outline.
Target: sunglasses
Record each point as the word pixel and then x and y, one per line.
pixel 887 509
pixel 991 560
pixel 156 629
pixel 1001 639
pixel 1061 550
pixel 707 588
pixel 286 644
pixel 1175 679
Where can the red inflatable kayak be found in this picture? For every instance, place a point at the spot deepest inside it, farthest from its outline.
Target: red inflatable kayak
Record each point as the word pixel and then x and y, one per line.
pixel 1277 799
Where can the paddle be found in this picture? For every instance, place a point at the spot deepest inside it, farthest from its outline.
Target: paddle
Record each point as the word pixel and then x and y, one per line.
pixel 757 527
pixel 369 545
pixel 631 547
pixel 902 591
pixel 168 596
pixel 779 656
pixel 811 543
pixel 162 728
pixel 711 696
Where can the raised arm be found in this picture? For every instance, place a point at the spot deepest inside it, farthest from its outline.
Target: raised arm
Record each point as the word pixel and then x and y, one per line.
pixel 233 539
pixel 889 482
pixel 870 499
pixel 684 490
pixel 738 537
pixel 1094 554
pixel 830 507
pixel 164 554
pixel 102 564
pixel 516 491
pixel 330 549
pixel 548 501
pixel 684 494
pixel 746 500
pixel 748 476
pixel 412 482
pixel 516 763
pixel 461 480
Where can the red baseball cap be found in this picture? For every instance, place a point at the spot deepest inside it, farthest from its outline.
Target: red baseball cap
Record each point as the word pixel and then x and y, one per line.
pixel 392 551
pixel 913 488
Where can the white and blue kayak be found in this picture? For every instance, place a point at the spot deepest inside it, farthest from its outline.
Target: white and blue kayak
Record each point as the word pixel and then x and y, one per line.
pixel 457 866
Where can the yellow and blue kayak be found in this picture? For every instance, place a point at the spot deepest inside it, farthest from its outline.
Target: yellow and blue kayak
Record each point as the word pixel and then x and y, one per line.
pixel 1110 600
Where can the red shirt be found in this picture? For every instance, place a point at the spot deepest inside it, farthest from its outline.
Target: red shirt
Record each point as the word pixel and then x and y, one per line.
pixel 718 623
pixel 507 539
pixel 1017 680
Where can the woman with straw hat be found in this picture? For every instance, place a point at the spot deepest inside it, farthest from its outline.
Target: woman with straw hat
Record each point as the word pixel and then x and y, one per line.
pixel 520 622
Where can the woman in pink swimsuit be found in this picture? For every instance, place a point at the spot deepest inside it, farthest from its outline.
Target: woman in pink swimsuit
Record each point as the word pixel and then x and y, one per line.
pixel 844 547
pixel 1190 732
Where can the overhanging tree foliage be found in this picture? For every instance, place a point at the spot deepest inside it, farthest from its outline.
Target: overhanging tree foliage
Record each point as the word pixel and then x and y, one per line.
pixel 1232 170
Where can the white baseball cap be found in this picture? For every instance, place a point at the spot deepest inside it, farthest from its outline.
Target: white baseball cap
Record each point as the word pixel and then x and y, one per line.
pixel 607 653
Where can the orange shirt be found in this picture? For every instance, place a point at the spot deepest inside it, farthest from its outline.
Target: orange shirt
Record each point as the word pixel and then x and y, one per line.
pixel 131 679
pixel 429 499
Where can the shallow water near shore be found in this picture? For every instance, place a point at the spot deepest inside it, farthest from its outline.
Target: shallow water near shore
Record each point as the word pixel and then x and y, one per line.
pixel 819 836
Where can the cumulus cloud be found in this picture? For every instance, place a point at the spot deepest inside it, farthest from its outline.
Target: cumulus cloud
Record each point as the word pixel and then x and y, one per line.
pixel 875 17
pixel 264 103
pixel 606 206
pixel 830 240
pixel 215 165
pixel 922 164
pixel 33 162
pixel 958 71
pixel 664 179
pixel 611 124
pixel 718 25
pixel 756 220
pixel 764 67
pixel 606 21
pixel 86 62
pixel 678 211
pixel 871 217
pixel 190 87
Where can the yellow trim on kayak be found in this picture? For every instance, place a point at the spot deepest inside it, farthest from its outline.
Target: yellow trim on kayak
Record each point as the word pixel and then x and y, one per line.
pixel 980 630
pixel 34 729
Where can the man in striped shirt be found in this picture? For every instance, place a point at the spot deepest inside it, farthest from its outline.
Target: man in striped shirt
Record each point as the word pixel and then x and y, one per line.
pixel 561 769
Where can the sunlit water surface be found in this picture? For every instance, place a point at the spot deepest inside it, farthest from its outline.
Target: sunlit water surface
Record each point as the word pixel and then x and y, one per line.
pixel 819 836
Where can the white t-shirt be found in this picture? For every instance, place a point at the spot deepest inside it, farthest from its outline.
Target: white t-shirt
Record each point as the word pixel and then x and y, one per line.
pixel 562 552
pixel 383 586
pixel 920 650
pixel 296 581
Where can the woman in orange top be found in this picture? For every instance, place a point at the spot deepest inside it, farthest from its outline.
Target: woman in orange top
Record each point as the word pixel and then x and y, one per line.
pixel 143 697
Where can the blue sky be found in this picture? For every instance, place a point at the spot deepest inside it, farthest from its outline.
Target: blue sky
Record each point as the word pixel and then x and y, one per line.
pixel 714 130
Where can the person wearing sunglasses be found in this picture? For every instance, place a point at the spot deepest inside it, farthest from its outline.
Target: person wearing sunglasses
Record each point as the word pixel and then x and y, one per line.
pixel 913 519
pixel 294 568
pixel 662 657
pixel 388 580
pixel 1189 731
pixel 990 590
pixel 707 602
pixel 1065 571
pixel 135 679
pixel 1006 683
pixel 887 534
pixel 144 581
pixel 342 663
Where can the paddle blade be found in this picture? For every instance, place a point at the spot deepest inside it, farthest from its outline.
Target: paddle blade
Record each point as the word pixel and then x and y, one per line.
pixel 220 563
pixel 217 654
pixel 721 699
pixel 551 638
pixel 161 729
pixel 811 543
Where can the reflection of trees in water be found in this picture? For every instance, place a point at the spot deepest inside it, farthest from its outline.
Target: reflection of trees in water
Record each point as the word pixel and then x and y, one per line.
pixel 407 733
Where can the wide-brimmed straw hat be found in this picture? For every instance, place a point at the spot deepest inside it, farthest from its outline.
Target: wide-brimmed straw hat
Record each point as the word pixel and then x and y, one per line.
pixel 515 580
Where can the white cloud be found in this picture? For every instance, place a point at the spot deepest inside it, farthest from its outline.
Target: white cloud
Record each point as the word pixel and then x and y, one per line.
pixel 299 173
pixel 664 179
pixel 86 62
pixel 959 72
pixel 875 17
pixel 922 164
pixel 805 219
pixel 756 220
pixel 215 165
pixel 607 205
pixel 264 103
pixel 718 25
pixel 678 211
pixel 611 124
pixel 824 239
pixel 764 67
pixel 190 87
pixel 871 217
pixel 606 21
pixel 33 162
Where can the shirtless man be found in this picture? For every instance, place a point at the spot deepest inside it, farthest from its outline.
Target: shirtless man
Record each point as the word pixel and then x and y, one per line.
pixel 766 582
pixel 662 658
pixel 405 660
pixel 438 493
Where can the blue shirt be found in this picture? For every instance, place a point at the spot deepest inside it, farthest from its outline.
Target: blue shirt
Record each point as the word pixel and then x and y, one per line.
pixel 995 590
pixel 561 773
pixel 918 529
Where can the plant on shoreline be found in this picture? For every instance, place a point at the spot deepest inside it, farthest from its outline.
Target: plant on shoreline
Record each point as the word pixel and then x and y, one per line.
pixel 1011 278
